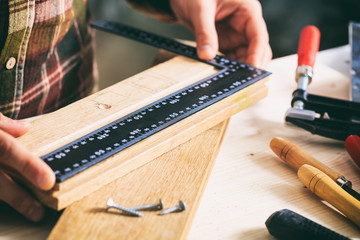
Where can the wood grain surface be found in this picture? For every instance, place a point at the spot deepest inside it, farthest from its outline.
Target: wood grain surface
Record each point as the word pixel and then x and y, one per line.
pixel 57 129
pixel 180 174
pixel 249 182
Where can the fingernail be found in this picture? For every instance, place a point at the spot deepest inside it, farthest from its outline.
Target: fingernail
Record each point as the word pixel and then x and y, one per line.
pixel 36 212
pixel 206 52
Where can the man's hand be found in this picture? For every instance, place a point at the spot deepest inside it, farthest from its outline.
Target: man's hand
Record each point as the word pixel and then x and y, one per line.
pixel 15 156
pixel 235 27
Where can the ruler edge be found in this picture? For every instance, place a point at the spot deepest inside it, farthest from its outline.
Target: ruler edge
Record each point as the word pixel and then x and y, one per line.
pixel 111 116
pixel 47 150
pixel 57 198
pixel 221 68
pixel 247 84
pixel 265 75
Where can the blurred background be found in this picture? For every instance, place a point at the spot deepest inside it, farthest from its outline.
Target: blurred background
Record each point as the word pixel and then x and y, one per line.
pixel 119 58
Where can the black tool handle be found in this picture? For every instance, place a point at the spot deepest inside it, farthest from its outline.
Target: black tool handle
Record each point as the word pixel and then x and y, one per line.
pixel 286 224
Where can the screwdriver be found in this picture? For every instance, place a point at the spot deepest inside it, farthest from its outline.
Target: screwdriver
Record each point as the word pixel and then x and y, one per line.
pixel 296 157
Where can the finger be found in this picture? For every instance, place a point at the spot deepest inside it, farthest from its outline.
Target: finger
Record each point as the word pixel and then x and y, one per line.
pixel 203 22
pixel 17 157
pixel 257 35
pixel 259 53
pixel 15 128
pixel 268 57
pixel 19 199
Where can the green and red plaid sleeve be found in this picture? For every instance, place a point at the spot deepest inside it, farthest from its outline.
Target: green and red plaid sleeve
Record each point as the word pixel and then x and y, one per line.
pixel 46 59
pixel 46 53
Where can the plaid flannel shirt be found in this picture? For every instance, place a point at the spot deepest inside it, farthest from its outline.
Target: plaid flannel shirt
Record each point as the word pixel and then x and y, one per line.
pixel 46 53
pixel 46 59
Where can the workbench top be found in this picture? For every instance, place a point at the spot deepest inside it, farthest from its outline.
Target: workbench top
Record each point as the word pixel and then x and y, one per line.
pixel 248 182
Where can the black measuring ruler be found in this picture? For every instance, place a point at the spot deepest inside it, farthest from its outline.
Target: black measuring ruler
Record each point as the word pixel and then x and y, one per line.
pixel 136 126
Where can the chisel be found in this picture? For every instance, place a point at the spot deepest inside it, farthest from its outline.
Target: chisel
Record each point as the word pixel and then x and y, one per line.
pixel 322 185
pixel 296 157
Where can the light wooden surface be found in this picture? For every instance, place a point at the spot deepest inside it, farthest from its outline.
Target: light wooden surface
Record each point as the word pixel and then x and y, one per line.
pixel 248 182
pixel 180 174
pixel 57 129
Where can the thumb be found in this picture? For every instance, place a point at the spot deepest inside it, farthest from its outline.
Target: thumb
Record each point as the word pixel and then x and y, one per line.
pixel 203 22
pixel 15 128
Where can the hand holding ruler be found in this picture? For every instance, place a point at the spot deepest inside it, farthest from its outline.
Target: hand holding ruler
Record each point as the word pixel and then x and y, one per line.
pixel 215 97
pixel 114 137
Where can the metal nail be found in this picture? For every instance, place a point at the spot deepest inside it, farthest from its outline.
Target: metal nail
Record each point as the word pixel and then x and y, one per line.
pixel 179 208
pixel 111 204
pixel 155 206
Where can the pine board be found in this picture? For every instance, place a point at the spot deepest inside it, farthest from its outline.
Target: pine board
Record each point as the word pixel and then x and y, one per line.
pixel 69 123
pixel 180 174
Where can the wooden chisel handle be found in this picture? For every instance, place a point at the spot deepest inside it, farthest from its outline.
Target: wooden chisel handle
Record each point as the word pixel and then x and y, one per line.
pixel 296 157
pixel 323 186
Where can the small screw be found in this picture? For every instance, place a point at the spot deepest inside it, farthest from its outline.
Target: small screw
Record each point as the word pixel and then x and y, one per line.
pixel 155 206
pixel 179 208
pixel 111 204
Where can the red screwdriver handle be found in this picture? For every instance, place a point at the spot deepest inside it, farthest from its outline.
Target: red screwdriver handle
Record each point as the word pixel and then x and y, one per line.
pixel 308 45
pixel 352 146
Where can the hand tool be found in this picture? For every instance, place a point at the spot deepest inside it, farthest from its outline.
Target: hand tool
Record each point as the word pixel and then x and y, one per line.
pixel 328 117
pixel 352 146
pixel 288 225
pixel 128 130
pixel 296 157
pixel 307 49
pixel 323 186
pixel 354 39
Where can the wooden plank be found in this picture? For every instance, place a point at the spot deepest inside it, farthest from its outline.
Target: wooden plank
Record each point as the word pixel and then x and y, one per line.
pixel 75 120
pixel 248 182
pixel 57 129
pixel 180 174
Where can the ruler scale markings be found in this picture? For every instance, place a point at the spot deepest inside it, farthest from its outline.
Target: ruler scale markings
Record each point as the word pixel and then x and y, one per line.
pixel 140 124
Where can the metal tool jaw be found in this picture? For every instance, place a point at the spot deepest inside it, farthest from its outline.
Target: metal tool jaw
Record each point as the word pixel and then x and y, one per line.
pixel 328 117
pixel 332 118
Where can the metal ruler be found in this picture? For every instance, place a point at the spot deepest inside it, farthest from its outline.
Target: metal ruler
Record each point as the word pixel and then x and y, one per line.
pixel 136 126
pixel 354 38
